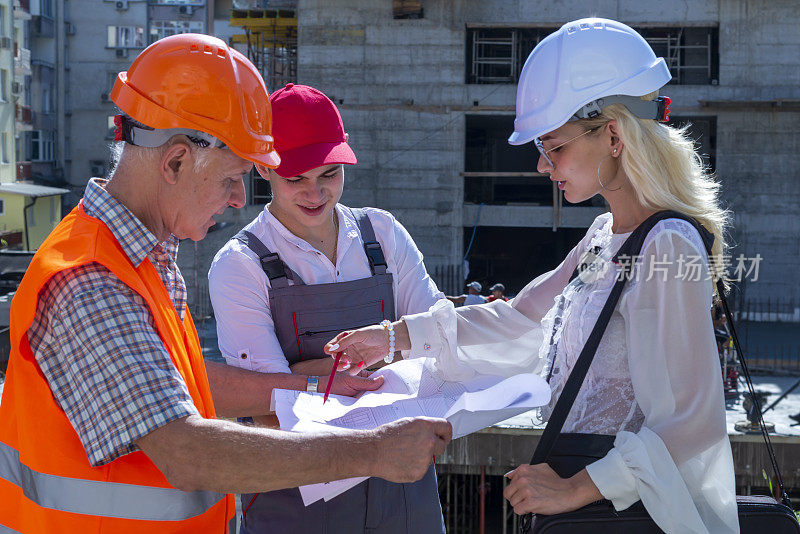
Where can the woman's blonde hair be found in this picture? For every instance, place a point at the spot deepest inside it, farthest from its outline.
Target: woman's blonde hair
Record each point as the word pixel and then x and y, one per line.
pixel 666 171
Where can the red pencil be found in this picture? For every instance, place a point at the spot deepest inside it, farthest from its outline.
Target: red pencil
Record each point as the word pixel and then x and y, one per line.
pixel 330 378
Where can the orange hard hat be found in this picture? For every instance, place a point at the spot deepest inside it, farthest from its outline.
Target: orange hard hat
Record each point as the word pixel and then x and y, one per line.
pixel 196 82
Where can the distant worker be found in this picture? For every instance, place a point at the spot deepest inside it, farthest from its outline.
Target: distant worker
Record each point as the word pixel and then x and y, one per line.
pixel 498 291
pixel 473 295
pixel 108 418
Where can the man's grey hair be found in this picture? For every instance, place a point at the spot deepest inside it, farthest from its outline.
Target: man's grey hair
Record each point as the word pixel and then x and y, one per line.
pixel 126 154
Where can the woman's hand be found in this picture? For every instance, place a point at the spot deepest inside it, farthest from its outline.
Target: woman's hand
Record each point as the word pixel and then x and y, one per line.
pixel 369 345
pixel 538 489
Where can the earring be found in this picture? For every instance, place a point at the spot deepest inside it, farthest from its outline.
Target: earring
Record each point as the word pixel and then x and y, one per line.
pixel 598 175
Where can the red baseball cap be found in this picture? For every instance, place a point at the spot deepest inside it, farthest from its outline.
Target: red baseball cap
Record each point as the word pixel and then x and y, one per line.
pixel 308 130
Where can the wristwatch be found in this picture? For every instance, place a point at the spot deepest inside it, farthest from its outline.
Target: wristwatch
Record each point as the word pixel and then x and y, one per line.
pixel 312 386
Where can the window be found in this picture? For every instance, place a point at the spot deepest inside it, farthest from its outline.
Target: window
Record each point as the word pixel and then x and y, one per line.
pixel 47 99
pixel 498 173
pixel 54 210
pixel 4 85
pixel 260 190
pixel 2 21
pixel 197 3
pixel 42 145
pixel 164 28
pixel 31 217
pixel 494 169
pixel 2 206
pixel 125 37
pixel 46 8
pixel 112 79
pixel 407 9
pixel 4 147
pixel 703 130
pixel 692 54
pixel 497 55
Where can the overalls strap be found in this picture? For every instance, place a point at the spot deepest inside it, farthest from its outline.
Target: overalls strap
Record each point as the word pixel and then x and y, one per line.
pixel 278 272
pixel 377 261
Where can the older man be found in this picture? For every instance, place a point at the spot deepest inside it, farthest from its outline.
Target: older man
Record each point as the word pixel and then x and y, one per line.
pixel 108 404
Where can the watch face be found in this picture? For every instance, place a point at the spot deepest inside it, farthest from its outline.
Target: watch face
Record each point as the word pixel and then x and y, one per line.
pixel 312 386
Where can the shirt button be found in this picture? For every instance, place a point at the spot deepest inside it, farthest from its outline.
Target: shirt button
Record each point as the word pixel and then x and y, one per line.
pixel 427 346
pixel 244 355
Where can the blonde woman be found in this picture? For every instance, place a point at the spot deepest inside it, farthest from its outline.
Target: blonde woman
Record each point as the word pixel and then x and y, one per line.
pixel 588 98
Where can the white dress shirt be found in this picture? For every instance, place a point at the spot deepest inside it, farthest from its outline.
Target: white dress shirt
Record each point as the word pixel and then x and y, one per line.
pixel 655 381
pixel 239 289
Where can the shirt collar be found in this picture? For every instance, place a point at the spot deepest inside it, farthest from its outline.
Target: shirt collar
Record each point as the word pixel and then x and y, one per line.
pixel 348 229
pixel 131 233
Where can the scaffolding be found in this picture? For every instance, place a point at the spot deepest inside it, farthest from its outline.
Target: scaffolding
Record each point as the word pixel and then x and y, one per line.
pixel 270 40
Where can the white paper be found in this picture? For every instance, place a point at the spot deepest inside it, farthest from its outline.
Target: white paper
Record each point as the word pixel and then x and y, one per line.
pixel 411 388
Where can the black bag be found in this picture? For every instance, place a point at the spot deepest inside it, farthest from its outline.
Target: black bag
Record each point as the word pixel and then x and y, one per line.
pixel 567 454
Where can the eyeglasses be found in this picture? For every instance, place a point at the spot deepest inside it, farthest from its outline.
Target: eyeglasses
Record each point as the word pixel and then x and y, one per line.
pixel 544 153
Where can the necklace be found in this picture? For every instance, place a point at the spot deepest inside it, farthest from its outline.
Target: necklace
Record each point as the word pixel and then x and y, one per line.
pixel 335 235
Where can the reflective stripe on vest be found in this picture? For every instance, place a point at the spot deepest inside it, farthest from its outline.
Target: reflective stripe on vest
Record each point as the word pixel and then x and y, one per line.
pixel 108 499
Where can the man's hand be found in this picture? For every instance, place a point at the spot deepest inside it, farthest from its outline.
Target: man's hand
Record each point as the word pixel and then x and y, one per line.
pixel 350 386
pixel 407 446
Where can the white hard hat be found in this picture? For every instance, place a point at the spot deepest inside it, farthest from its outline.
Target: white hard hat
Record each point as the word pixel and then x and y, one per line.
pixel 584 61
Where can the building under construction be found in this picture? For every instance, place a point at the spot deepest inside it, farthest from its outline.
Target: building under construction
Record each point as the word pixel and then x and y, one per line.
pixel 427 92
pixel 268 38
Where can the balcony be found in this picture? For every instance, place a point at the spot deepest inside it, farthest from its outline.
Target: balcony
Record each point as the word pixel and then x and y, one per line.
pixel 22 10
pixel 24 170
pixel 22 61
pixel 24 118
pixel 42 26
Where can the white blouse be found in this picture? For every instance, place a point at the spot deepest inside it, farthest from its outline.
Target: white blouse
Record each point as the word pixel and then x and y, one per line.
pixel 655 381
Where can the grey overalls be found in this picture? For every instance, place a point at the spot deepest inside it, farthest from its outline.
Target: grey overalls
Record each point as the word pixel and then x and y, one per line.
pixel 306 317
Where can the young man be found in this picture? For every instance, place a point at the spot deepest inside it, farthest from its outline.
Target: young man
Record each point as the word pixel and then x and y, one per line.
pixel 498 291
pixel 304 269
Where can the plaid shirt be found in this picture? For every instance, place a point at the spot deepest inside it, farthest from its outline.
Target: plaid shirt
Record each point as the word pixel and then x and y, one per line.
pixel 96 342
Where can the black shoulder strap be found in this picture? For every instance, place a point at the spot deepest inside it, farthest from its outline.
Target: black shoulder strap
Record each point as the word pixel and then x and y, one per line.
pixel 746 372
pixel 278 272
pixel 373 250
pixel 705 235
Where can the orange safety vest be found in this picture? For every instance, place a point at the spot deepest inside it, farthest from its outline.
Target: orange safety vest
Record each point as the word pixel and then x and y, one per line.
pixel 46 482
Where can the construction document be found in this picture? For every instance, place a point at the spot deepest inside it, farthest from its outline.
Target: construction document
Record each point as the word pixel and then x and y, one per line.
pixel 411 388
